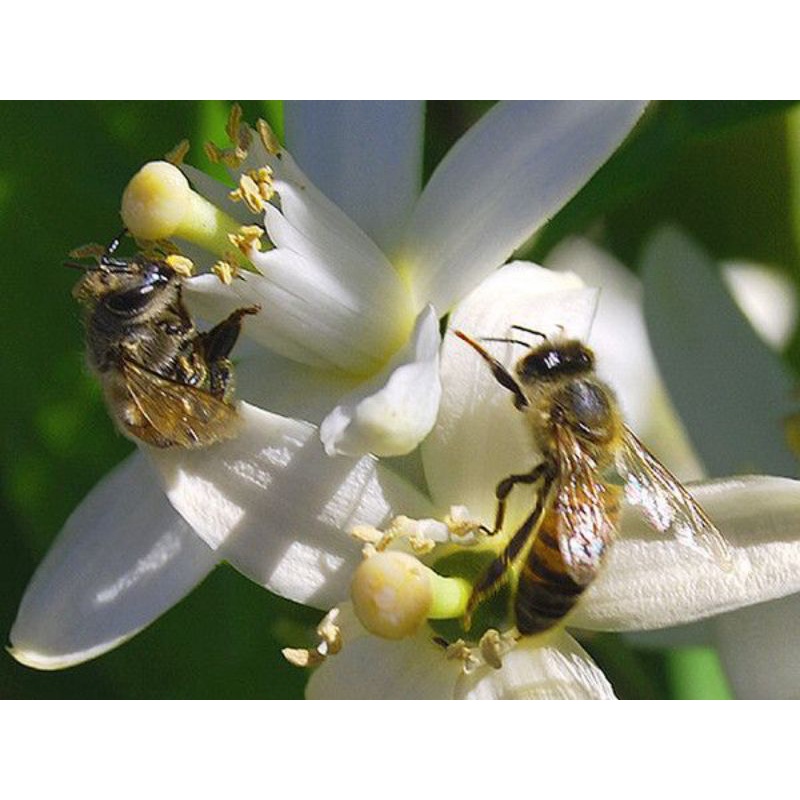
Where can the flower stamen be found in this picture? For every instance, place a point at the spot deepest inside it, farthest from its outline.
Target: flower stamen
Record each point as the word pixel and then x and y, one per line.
pixel 268 138
pixel 178 153
pixel 490 651
pixel 255 189
pixel 330 644
pixel 421 534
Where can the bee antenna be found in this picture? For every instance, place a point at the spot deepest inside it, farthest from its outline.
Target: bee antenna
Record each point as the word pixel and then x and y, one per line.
pixel 500 373
pixel 76 265
pixel 113 246
pixel 533 332
pixel 503 339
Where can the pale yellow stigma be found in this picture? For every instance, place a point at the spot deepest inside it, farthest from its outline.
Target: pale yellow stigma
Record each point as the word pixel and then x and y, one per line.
pixel 156 201
pixel 158 204
pixel 393 594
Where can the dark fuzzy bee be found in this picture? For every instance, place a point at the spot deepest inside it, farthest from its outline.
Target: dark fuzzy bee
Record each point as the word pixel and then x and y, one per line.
pixel 165 383
pixel 589 457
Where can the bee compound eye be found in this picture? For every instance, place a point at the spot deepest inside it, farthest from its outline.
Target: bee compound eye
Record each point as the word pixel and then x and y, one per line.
pixel 131 301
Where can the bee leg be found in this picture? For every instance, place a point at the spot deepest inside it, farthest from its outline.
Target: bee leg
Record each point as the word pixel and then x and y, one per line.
pixel 220 340
pixel 504 489
pixel 497 572
pixel 217 344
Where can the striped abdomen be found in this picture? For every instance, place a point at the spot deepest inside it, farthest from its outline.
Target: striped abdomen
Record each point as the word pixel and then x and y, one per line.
pixel 547 590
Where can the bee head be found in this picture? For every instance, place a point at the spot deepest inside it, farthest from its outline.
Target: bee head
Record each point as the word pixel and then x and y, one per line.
pixel 128 288
pixel 553 360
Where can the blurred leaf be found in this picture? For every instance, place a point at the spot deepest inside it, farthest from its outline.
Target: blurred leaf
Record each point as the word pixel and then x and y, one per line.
pixel 634 674
pixel 717 168
pixel 711 115
pixel 695 673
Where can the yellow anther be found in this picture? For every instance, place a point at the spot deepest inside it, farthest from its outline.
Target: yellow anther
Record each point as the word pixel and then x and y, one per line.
pixel 178 153
pixel 330 634
pixel 225 271
pixel 300 657
pixel 213 153
pixel 330 644
pixel 180 264
pixel 234 123
pixel 249 193
pixel 247 238
pixel 240 135
pixel 255 189
pixel 268 137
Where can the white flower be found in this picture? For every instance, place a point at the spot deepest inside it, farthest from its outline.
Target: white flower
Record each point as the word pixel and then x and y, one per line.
pixel 735 397
pixel 650 580
pixel 352 297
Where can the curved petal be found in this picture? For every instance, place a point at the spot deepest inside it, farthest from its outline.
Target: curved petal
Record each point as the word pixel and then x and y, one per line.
pixel 391 414
pixel 278 509
pixel 501 181
pixel 758 647
pixel 728 386
pixel 122 559
pixel 371 668
pixel 366 156
pixel 552 668
pixel 329 296
pixel 479 437
pixel 653 582
pixel 309 312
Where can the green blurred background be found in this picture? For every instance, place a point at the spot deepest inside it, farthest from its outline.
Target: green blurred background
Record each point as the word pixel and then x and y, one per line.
pixel 726 171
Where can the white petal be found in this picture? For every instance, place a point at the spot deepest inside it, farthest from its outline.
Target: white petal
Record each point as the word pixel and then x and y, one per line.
pixel 652 582
pixel 391 414
pixel 758 647
pixel 371 668
pixel 276 507
pixel 479 437
pixel 286 387
pixel 218 193
pixel 551 668
pixel 122 559
pixel 624 357
pixel 728 386
pixel 365 156
pixel 308 313
pixel 507 176
pixel 329 296
pixel 766 297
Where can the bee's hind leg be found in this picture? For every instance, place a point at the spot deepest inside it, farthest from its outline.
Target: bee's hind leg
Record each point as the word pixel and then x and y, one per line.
pixel 217 345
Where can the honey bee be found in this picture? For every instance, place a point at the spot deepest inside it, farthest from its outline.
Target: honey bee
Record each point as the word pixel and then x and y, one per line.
pixel 165 383
pixel 589 458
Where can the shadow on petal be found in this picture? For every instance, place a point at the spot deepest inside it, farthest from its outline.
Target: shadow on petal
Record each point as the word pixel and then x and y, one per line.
pixel 278 509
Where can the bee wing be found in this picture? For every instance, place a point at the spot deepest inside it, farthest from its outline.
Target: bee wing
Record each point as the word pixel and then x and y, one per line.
pixel 585 508
pixel 183 415
pixel 666 503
